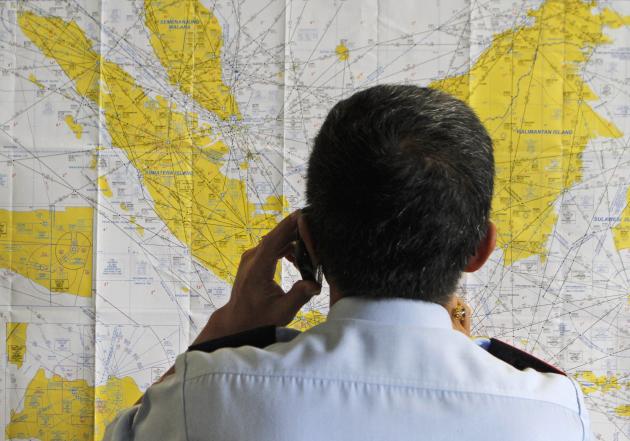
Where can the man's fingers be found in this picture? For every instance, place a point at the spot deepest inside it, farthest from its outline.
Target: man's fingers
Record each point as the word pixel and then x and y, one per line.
pixel 300 293
pixel 289 252
pixel 274 244
pixel 283 233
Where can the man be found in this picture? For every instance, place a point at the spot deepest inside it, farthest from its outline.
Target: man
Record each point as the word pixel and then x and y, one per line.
pixel 399 187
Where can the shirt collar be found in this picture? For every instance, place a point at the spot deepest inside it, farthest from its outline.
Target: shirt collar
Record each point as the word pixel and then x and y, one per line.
pixel 391 311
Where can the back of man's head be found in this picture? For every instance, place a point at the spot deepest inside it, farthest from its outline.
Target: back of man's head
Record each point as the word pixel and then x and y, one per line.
pixel 399 189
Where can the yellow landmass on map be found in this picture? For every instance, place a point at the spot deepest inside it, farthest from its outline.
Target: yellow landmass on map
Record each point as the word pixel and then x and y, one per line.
pixel 109 399
pixel 592 383
pixel 187 39
pixel 623 410
pixel 179 161
pixel 527 90
pixel 94 157
pixel 139 228
pixel 74 126
pixel 103 186
pixel 59 409
pixel 621 231
pixel 342 51
pixel 51 247
pixel 16 343
pixel 33 79
pixel 307 319
pixel 54 409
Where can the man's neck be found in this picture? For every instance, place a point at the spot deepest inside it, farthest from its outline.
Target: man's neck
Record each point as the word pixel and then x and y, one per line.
pixel 334 295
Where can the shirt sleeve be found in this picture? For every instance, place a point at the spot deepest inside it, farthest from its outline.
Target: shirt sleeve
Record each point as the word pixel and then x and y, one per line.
pixel 160 415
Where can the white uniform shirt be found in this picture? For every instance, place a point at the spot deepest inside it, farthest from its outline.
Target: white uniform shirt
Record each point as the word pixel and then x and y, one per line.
pixel 375 370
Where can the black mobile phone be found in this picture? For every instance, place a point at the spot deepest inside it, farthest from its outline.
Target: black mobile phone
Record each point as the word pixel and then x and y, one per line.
pixel 304 262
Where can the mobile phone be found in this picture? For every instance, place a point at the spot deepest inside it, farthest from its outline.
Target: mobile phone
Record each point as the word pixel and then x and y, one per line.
pixel 304 262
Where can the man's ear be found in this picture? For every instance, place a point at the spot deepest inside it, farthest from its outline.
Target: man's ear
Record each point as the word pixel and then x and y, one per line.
pixel 305 234
pixel 484 249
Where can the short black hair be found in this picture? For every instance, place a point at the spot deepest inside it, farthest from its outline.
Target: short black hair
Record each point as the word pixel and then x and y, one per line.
pixel 399 188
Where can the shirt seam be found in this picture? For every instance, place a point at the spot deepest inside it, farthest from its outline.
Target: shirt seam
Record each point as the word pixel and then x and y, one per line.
pixel 397 386
pixel 579 404
pixel 184 397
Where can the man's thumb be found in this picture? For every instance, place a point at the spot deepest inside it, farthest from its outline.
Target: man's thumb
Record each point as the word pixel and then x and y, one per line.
pixel 300 293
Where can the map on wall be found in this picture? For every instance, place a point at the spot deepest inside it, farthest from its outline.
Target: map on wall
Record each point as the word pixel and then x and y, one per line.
pixel 145 144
